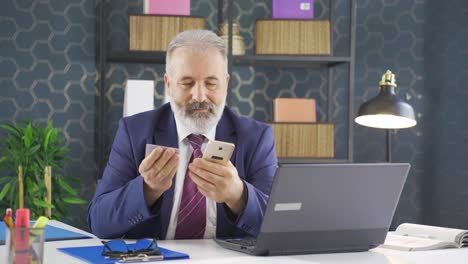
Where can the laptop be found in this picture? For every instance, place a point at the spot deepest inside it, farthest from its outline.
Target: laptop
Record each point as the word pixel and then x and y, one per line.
pixel 326 208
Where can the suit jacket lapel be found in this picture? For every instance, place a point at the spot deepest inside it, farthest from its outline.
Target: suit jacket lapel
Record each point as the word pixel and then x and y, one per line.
pixel 226 132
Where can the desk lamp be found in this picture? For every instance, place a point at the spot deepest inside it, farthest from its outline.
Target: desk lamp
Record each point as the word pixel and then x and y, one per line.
pixel 386 110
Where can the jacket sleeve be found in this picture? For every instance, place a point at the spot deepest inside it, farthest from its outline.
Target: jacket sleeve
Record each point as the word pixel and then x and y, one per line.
pixel 118 205
pixel 258 183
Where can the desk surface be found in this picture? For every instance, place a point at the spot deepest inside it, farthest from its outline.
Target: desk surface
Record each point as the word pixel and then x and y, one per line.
pixel 207 251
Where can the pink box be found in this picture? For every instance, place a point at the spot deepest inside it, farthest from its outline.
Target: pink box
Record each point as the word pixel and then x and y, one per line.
pixel 167 7
pixel 293 9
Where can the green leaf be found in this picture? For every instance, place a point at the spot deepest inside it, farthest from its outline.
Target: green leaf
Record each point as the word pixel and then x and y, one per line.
pixel 33 150
pixel 5 190
pixel 67 187
pixel 47 138
pixel 72 200
pixel 12 129
pixel 27 138
pixel 5 179
pixel 42 203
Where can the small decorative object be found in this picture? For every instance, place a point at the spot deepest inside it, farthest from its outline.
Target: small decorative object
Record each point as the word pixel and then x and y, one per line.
pixel 301 110
pixel 139 97
pixel 293 9
pixel 292 37
pixel 31 157
pixel 238 46
pixel 167 7
pixel 304 140
pixel 386 110
pixel 153 33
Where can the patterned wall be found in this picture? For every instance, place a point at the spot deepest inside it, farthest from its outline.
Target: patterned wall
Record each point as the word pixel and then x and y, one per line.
pixel 446 57
pixel 390 35
pixel 47 71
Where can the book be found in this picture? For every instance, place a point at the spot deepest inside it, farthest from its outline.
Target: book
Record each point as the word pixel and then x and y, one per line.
pixel 167 7
pixel 300 110
pixel 415 237
pixel 292 9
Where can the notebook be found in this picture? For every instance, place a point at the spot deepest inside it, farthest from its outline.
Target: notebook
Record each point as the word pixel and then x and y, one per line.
pixel 325 208
pixel 52 233
pixel 92 254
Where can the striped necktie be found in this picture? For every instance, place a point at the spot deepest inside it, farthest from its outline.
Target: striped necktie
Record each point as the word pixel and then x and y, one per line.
pixel 191 219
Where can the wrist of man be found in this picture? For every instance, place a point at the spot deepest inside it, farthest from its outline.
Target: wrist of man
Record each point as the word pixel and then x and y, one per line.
pixel 151 195
pixel 237 204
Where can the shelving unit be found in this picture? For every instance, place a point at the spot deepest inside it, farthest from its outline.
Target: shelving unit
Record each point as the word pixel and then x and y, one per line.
pixel 104 57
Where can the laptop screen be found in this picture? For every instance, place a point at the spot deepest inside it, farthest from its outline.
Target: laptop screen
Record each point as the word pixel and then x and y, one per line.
pixel 322 197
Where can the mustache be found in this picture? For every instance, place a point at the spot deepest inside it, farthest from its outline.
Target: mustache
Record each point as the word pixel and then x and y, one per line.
pixel 199 106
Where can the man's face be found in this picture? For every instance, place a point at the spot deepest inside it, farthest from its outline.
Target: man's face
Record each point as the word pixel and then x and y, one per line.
pixel 197 85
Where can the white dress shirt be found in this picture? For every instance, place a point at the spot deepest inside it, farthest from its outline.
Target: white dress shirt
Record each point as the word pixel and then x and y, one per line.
pixel 185 153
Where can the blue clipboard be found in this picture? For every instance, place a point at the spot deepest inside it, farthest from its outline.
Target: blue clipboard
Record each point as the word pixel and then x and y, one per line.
pixel 92 254
pixel 52 233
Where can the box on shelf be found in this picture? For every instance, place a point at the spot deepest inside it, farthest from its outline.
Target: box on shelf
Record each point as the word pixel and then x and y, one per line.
pixel 153 33
pixel 167 7
pixel 304 140
pixel 294 110
pixel 293 9
pixel 292 37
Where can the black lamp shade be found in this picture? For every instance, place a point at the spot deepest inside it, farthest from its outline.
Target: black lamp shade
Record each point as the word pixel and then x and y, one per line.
pixel 386 110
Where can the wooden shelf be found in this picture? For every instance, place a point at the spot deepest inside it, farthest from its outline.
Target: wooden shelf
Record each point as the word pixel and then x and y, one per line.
pixel 156 57
pixel 248 60
pixel 289 60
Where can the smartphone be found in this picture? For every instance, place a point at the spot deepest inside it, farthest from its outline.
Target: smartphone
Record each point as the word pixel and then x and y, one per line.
pixel 150 147
pixel 218 151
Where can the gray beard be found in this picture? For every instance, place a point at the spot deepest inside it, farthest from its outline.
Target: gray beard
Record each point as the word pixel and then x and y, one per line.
pixel 197 123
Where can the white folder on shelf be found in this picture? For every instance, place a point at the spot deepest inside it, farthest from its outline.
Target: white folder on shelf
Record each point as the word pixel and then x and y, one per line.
pixel 139 97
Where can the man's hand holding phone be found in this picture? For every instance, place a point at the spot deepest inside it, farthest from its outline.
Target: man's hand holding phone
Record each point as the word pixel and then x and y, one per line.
pixel 158 169
pixel 217 178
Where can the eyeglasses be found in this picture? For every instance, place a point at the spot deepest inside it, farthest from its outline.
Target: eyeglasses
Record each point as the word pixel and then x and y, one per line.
pixel 118 249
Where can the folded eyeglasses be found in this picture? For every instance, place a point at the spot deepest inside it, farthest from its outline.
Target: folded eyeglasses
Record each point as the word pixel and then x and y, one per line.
pixel 142 250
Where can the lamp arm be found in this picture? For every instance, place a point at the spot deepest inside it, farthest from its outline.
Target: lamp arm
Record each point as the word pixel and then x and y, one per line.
pixel 388 134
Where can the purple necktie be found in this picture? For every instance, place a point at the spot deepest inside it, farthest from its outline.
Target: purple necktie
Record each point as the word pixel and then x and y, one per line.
pixel 191 220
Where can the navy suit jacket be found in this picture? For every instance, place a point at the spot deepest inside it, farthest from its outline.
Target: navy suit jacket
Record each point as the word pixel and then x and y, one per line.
pixel 118 208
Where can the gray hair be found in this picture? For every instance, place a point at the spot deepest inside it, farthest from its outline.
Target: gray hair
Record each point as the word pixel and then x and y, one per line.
pixel 197 39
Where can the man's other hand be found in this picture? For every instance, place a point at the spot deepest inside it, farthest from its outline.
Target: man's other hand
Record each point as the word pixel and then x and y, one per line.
pixel 219 182
pixel 158 169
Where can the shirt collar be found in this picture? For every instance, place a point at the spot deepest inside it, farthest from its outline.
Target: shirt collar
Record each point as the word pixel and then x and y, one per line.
pixel 183 131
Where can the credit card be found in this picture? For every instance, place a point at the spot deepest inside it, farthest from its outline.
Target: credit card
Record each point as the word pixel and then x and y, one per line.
pixel 150 147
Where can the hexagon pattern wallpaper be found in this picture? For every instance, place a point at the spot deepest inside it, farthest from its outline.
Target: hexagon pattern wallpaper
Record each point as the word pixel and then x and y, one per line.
pixel 48 71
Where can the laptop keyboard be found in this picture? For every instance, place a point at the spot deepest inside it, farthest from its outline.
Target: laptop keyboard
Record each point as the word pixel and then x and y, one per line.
pixel 246 242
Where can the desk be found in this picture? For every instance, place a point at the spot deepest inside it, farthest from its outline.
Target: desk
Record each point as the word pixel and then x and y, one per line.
pixel 207 251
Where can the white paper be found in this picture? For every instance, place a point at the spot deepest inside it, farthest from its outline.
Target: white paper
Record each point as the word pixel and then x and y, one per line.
pixel 431 232
pixel 139 97
pixel 407 243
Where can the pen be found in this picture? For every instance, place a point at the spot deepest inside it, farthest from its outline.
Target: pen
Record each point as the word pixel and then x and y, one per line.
pixel 8 218
pixel 22 236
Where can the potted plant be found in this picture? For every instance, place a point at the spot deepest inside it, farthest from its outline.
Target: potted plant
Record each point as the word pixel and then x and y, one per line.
pixel 31 160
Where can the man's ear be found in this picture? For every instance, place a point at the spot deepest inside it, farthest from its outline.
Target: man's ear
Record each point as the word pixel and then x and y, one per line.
pixel 167 85
pixel 228 77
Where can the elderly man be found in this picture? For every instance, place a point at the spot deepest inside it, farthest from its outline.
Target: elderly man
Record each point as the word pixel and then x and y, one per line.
pixel 177 194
